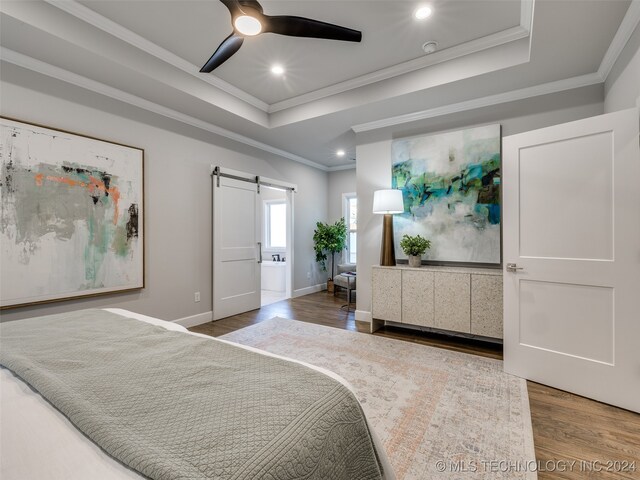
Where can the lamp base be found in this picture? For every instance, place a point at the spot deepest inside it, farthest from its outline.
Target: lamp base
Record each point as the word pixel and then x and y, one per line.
pixel 387 251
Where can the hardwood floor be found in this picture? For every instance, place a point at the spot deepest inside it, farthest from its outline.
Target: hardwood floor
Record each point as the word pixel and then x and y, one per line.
pixel 574 437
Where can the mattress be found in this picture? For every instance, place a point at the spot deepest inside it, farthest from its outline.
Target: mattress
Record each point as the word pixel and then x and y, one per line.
pixel 37 441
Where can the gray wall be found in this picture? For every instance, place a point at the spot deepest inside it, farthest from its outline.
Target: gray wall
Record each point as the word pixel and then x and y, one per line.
pixel 340 182
pixel 373 154
pixel 177 191
pixel 622 88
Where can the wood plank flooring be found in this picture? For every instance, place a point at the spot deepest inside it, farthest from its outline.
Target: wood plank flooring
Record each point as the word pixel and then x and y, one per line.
pixel 566 428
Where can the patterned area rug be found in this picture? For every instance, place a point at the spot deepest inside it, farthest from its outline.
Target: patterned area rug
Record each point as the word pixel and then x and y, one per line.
pixel 440 414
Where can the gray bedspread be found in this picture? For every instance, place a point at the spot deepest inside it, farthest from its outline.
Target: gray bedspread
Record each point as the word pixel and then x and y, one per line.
pixel 175 406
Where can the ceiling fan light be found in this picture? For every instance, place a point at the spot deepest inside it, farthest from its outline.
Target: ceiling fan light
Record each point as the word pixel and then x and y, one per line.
pixel 247 25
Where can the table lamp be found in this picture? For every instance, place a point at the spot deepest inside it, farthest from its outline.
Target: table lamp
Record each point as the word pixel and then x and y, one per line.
pixel 387 202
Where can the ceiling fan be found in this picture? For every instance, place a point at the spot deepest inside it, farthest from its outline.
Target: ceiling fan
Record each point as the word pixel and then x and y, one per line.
pixel 248 20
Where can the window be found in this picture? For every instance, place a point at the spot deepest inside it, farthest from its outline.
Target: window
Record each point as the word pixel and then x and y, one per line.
pixel 351 217
pixel 275 214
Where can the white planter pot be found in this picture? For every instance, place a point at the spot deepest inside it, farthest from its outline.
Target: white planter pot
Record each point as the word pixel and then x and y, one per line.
pixel 415 261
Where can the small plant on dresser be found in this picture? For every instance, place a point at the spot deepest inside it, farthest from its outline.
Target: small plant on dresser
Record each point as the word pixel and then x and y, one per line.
pixel 414 247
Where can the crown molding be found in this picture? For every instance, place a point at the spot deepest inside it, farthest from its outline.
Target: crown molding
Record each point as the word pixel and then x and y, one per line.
pixel 625 30
pixel 81 12
pixel 116 30
pixel 513 95
pixel 339 168
pixel 629 23
pixel 478 45
pixel 509 35
pixel 49 70
pixel 526 14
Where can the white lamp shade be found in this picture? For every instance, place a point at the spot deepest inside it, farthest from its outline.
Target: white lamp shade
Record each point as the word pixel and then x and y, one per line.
pixel 388 201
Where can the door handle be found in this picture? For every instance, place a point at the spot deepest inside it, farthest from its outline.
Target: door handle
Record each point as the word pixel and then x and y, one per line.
pixel 260 252
pixel 513 267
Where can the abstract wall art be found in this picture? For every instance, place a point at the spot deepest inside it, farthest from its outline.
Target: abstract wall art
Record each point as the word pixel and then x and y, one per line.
pixel 451 188
pixel 71 215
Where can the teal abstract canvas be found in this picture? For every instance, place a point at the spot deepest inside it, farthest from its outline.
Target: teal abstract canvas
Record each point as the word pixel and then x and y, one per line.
pixel 451 189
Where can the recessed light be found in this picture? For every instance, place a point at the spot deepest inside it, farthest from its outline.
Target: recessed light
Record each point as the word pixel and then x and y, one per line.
pixel 422 12
pixel 340 153
pixel 277 69
pixel 247 25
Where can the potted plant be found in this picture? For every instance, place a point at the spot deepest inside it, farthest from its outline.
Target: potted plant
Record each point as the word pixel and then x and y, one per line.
pixel 414 247
pixel 329 239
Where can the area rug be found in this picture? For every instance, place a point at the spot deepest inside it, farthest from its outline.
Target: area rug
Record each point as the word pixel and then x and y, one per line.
pixel 439 413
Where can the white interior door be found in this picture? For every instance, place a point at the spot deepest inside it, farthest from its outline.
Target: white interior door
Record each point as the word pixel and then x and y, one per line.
pixel 571 199
pixel 236 247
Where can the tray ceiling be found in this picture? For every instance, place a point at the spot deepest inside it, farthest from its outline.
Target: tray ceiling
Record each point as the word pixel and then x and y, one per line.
pixel 193 29
pixel 148 53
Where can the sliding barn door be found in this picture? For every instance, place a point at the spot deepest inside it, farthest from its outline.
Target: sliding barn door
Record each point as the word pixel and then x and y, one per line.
pixel 236 247
pixel 572 257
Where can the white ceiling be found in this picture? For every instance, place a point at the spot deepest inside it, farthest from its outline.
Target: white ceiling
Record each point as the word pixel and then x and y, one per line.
pixel 148 53
pixel 193 30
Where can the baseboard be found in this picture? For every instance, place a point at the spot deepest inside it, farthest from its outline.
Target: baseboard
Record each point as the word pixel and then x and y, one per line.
pixel 307 290
pixel 194 320
pixel 363 316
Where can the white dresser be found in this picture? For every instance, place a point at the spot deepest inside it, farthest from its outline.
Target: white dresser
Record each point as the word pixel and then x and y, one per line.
pixel 456 299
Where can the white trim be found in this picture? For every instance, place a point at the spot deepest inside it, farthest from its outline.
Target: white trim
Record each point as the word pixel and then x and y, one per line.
pixel 194 320
pixel 346 166
pixel 109 26
pixel 309 290
pixel 526 14
pixel 345 213
pixel 627 26
pixel 499 38
pixel 49 70
pixel 363 316
pixel 626 29
pixel 484 43
pixel 526 21
pixel 513 95
pixel 622 36
pixel 115 29
pixel 290 238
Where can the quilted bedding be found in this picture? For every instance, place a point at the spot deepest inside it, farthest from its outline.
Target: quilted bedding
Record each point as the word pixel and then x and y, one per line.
pixel 176 406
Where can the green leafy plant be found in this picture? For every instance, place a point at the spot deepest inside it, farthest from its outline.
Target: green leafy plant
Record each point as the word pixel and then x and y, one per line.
pixel 414 245
pixel 329 239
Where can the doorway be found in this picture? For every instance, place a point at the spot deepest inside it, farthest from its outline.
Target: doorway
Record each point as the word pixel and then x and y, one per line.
pixel 241 202
pixel 571 238
pixel 275 233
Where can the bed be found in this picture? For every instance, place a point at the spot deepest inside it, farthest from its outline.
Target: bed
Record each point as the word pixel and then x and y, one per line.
pixel 203 425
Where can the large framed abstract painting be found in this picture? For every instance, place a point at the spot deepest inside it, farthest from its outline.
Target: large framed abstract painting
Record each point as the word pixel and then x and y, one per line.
pixel 451 188
pixel 71 215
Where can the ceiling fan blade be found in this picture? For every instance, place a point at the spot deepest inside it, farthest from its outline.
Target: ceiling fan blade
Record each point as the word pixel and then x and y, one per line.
pixel 251 4
pixel 226 49
pixel 233 6
pixel 307 27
